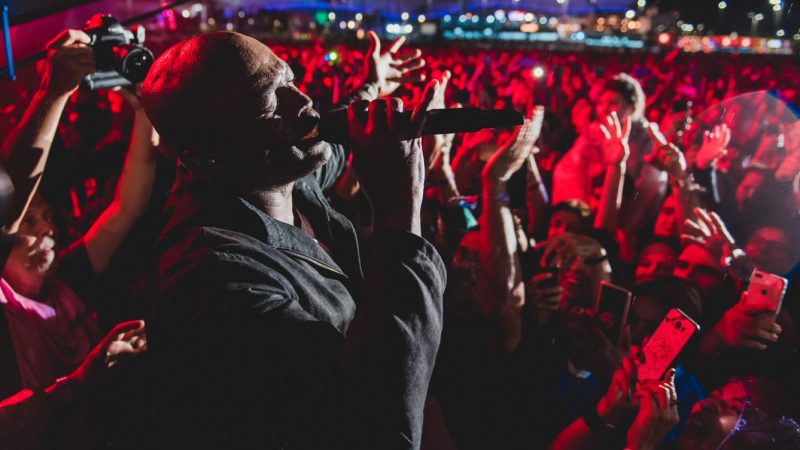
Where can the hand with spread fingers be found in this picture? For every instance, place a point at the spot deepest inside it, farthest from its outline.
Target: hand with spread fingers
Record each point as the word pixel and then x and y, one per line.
pixel 511 156
pixel 747 326
pixel 666 156
pixel 615 144
pixel 658 413
pixel 714 146
pixel 388 69
pixel 710 232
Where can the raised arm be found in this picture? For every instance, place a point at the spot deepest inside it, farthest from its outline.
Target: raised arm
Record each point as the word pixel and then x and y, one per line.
pixel 498 239
pixel 133 191
pixel 536 197
pixel 25 151
pixel 615 147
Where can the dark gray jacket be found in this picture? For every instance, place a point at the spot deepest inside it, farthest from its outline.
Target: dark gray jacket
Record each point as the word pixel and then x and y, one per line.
pixel 266 340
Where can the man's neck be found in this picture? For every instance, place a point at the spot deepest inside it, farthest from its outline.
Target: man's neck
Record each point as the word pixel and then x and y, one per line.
pixel 276 202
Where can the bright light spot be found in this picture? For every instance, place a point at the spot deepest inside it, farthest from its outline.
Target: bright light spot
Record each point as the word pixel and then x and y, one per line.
pixel 487 32
pixel 630 14
pixel 759 16
pixel 529 17
pixel 475 19
pixel 404 16
pixel 343 24
pixel 185 14
pixel 331 15
pixel 552 22
pixel 746 42
pixel 722 5
pixel 641 3
pixel 407 28
pixel 726 41
pixel 241 14
pixel 211 21
pixel 543 20
pixel 229 26
pixel 538 72
pixel 251 21
pixel 796 37
pixel 687 28
pixel 780 33
pixel 777 8
pixel 360 34
pixel 447 18
pixel 276 23
pixel 499 14
pixel 561 2
pixel 489 19
pixel 774 2
pixel 663 38
pixel 462 18
pixel 421 18
pixel 351 24
pixel 359 17
pixel 332 56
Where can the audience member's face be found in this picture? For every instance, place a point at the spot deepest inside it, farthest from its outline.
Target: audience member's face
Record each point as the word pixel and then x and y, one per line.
pixel 770 250
pixel 611 101
pixel 696 264
pixel 714 418
pixel 748 187
pixel 33 259
pixel 581 114
pixel 562 221
pixel 646 315
pixel 656 260
pixel 581 281
pixel 667 225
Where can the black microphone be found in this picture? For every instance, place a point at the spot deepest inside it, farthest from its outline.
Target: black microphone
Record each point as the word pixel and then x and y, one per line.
pixel 333 126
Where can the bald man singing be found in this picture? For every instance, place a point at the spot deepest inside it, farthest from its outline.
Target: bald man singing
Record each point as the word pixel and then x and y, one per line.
pixel 271 329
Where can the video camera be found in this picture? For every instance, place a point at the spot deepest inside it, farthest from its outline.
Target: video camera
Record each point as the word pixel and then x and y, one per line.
pixel 120 58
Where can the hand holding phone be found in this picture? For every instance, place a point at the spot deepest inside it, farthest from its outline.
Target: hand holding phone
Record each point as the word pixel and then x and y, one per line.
pixel 766 291
pixel 666 344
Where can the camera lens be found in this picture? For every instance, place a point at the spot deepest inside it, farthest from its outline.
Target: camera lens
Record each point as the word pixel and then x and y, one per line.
pixel 133 62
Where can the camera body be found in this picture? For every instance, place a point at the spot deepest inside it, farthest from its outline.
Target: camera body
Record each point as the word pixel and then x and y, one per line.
pixel 120 58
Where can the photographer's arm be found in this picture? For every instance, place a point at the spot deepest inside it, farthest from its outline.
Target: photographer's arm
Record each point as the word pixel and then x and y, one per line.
pixel 25 151
pixel 133 192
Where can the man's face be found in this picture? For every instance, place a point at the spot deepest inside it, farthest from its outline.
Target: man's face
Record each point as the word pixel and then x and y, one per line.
pixel 656 260
pixel 561 222
pixel 714 418
pixel 667 220
pixel 770 250
pixel 696 264
pixel 289 122
pixel 32 258
pixel 611 101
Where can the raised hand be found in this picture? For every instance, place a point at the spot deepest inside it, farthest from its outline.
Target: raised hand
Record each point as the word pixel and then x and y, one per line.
pixel 713 147
pixel 438 145
pixel 387 69
pixel 126 339
pixel 615 144
pixel 513 154
pixel 710 232
pixel 387 158
pixel 69 59
pixel 658 413
pixel 666 156
pixel 747 326
pixel 620 401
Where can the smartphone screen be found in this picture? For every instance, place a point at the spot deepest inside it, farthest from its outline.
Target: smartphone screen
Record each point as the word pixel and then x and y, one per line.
pixel 766 290
pixel 612 309
pixel 666 344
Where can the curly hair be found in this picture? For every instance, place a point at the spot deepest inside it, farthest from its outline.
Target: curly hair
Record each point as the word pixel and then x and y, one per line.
pixel 631 91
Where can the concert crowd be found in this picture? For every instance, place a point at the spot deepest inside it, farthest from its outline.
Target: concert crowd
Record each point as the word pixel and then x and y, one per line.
pixel 165 285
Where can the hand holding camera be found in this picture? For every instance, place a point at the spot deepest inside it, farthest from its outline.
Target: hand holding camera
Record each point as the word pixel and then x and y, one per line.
pixel 69 60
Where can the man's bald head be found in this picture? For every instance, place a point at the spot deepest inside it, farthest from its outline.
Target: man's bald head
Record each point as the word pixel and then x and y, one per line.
pixel 226 96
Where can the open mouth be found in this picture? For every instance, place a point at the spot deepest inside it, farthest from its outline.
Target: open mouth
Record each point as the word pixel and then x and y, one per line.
pixel 308 131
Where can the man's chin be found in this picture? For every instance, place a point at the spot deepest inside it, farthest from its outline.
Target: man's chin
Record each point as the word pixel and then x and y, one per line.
pixel 313 156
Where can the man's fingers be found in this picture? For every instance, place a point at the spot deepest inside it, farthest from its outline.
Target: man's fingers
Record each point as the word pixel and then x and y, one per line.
pixel 617 126
pixel 355 123
pixel 410 66
pixel 755 345
pixel 377 118
pixel 374 44
pixel 415 77
pixel 396 44
pixel 396 106
pixel 604 130
pixel 626 128
pixel 68 37
pixel 656 135
pixel 420 112
pixel 760 333
pixel 409 56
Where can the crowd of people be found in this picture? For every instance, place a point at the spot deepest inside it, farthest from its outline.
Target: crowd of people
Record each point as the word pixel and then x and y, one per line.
pixel 259 288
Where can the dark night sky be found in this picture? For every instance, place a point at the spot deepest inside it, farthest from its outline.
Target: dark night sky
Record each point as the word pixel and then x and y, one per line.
pixel 734 17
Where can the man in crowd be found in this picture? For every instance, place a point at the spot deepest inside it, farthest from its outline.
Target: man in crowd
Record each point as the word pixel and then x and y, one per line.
pixel 266 332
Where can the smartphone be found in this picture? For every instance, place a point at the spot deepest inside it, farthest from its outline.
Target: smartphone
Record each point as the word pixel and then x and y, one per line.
pixel 766 290
pixel 612 307
pixel 666 343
